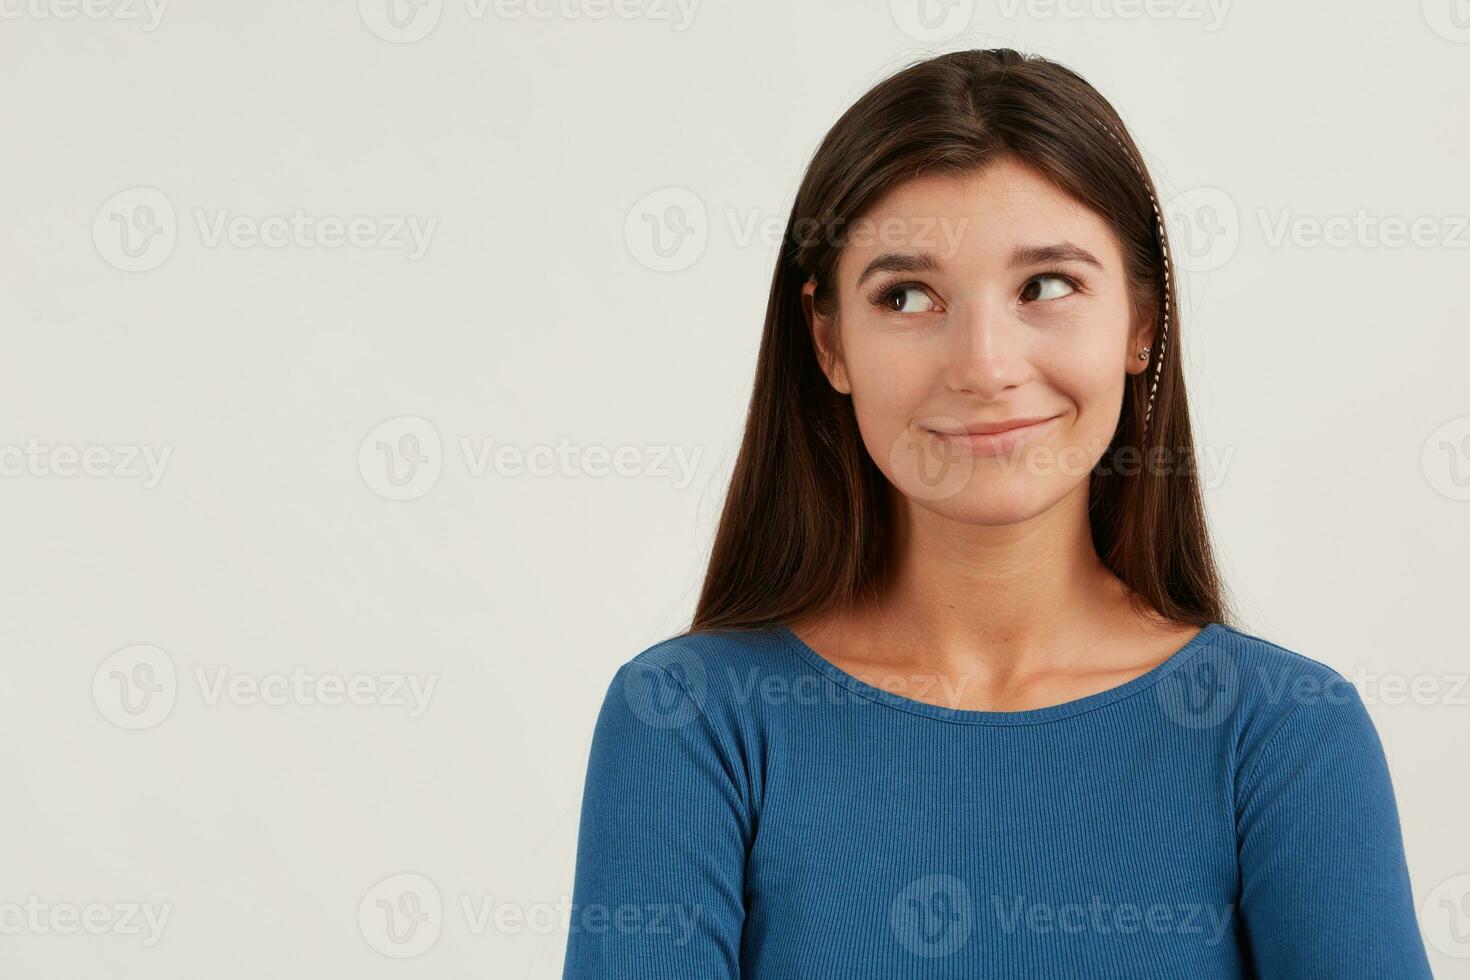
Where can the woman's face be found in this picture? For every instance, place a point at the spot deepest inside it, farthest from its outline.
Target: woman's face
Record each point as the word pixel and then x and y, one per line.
pixel 975 301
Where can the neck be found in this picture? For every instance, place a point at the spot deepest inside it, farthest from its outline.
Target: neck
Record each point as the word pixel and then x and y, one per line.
pixel 1010 599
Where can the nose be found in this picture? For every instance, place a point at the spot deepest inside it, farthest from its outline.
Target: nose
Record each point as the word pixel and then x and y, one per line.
pixel 986 349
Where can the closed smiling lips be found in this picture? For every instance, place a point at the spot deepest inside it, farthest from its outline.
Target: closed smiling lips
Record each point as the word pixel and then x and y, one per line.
pixel 992 438
pixel 991 428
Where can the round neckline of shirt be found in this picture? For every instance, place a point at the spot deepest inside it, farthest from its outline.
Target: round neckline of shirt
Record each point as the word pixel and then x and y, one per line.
pixel 1026 716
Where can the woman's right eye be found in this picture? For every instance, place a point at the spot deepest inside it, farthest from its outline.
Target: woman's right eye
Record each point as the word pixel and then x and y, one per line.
pixel 896 299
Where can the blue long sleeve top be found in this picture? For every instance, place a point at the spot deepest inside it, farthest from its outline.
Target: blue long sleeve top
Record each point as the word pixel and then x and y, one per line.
pixel 751 810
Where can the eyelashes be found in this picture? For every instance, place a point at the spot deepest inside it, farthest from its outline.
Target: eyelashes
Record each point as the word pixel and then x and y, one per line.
pixel 884 295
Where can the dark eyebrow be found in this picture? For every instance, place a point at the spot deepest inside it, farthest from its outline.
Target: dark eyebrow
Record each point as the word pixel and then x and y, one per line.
pixel 919 261
pixel 1047 254
pixel 922 261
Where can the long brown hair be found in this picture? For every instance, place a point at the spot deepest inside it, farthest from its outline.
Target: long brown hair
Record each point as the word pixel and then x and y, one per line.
pixel 806 526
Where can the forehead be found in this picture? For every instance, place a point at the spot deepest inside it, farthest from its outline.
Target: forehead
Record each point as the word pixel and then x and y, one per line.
pixel 977 217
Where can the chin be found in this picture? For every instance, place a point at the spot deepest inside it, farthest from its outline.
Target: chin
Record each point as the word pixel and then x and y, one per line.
pixel 995 503
pixel 991 510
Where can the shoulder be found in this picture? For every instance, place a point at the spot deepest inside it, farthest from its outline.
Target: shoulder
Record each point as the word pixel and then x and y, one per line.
pixel 1272 676
pixel 717 652
pixel 1288 707
pixel 719 676
pixel 1234 680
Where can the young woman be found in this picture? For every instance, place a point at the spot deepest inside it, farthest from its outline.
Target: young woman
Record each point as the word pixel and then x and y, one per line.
pixel 960 698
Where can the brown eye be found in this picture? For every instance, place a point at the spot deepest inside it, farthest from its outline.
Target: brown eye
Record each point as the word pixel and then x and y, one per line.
pixel 897 300
pixel 1036 290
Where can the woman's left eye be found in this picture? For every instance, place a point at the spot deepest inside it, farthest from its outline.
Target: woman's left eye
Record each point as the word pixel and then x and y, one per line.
pixel 896 295
pixel 1048 286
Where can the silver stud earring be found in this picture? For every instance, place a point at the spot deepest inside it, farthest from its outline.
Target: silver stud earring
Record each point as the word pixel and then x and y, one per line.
pixel 1143 354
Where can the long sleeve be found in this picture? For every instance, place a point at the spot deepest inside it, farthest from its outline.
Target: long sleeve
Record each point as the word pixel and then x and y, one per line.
pixel 662 845
pixel 1325 888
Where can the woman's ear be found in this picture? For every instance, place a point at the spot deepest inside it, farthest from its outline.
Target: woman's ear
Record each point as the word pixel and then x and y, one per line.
pixel 824 339
pixel 1143 335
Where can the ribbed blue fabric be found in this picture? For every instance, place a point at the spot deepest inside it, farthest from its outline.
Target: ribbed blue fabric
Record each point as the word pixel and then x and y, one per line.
pixel 753 811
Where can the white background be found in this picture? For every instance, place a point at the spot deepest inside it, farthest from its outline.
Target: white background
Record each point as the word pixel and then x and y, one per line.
pixel 1328 382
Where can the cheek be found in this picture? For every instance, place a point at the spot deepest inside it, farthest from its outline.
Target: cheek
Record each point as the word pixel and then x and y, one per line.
pixel 1089 376
pixel 892 378
pixel 892 381
pixel 1097 398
